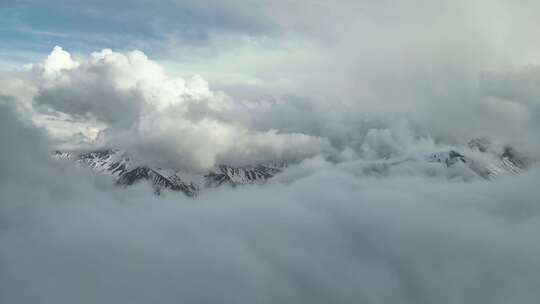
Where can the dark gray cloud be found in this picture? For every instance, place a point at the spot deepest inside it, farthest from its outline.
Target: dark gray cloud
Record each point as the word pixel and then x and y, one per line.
pixel 22 142
pixel 95 99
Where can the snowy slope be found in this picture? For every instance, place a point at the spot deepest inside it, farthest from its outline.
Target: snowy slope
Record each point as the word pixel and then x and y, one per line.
pixel 479 159
pixel 128 172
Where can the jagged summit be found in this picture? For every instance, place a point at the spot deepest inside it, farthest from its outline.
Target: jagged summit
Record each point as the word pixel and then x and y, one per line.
pixel 479 159
pixel 242 175
pixel 448 158
pixel 128 172
pixel 157 180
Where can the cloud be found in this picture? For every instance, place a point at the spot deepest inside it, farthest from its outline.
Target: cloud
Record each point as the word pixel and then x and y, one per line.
pixel 517 89
pixel 333 72
pixel 57 61
pixel 129 101
pixel 333 235
pixel 18 137
pixel 135 105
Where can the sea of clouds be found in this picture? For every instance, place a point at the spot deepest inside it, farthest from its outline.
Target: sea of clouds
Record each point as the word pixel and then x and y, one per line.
pixel 323 233
pixel 328 229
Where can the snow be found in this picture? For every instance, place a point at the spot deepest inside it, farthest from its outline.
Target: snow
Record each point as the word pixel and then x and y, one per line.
pixel 119 164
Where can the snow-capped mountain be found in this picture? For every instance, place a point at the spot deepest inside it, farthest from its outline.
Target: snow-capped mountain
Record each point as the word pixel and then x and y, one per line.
pixel 487 167
pixel 479 159
pixel 127 172
pixel 242 175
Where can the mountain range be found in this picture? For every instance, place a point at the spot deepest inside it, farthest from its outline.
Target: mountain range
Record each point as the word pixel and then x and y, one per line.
pixel 127 172
pixel 479 159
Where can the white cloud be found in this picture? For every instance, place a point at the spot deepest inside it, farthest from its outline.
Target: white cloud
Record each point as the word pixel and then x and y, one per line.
pixel 57 61
pixel 139 107
pixel 181 122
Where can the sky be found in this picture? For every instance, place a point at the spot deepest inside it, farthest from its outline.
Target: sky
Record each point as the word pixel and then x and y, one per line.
pixel 326 86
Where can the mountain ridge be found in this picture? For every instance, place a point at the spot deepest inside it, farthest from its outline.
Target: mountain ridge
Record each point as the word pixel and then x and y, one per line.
pixel 127 172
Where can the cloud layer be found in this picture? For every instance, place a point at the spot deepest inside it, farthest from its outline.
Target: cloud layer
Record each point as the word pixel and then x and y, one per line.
pixel 333 235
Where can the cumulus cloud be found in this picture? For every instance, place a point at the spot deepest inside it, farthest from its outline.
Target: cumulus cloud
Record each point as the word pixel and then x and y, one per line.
pixel 339 73
pixel 333 235
pixel 57 61
pixel 373 60
pixel 129 101
pixel 137 106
